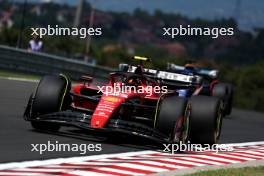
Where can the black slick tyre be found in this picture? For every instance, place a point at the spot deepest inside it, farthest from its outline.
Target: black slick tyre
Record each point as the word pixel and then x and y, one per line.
pixel 51 96
pixel 225 92
pixel 173 119
pixel 206 119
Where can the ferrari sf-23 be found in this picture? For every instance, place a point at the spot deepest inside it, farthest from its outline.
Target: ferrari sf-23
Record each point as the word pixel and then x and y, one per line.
pixel 164 117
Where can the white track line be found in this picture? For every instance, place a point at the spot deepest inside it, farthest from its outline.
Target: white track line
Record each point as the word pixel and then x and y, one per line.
pixel 20 79
pixel 119 171
pixel 201 160
pixel 88 173
pixel 182 162
pixel 24 174
pixel 245 144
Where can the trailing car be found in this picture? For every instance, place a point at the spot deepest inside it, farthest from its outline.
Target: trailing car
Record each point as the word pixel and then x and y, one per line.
pixel 210 85
pixel 163 117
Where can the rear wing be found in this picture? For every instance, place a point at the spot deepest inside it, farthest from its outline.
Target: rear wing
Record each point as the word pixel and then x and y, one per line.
pixel 213 74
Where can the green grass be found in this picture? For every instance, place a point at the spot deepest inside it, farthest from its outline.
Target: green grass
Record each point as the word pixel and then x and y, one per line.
pixel 247 171
pixel 4 73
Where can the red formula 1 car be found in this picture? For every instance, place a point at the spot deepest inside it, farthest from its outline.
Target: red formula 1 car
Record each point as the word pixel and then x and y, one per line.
pixel 148 110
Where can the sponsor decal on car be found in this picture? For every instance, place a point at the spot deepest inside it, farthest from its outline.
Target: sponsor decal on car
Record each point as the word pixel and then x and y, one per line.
pixel 112 99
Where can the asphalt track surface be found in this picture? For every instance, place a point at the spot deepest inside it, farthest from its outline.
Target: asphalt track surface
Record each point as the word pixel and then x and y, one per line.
pixel 17 135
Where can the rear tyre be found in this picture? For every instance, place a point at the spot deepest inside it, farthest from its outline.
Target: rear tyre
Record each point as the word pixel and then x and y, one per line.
pixel 52 95
pixel 206 119
pixel 224 91
pixel 174 118
pixel 228 108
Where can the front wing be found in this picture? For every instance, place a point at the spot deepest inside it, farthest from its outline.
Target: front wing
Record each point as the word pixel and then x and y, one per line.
pixel 82 120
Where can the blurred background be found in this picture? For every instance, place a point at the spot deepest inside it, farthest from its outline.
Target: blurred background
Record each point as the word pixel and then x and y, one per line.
pixel 134 27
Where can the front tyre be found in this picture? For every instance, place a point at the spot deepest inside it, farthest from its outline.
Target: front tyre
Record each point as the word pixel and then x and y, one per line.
pixel 174 118
pixel 52 95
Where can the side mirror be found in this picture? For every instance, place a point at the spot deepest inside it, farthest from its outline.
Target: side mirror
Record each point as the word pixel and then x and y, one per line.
pixel 87 79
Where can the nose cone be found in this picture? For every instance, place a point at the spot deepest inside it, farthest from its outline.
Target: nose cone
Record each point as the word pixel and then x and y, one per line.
pixel 99 121
pixel 104 111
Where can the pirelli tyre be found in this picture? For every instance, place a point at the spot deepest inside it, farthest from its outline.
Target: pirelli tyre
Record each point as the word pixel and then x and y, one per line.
pixel 52 95
pixel 173 118
pixel 225 92
pixel 206 119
